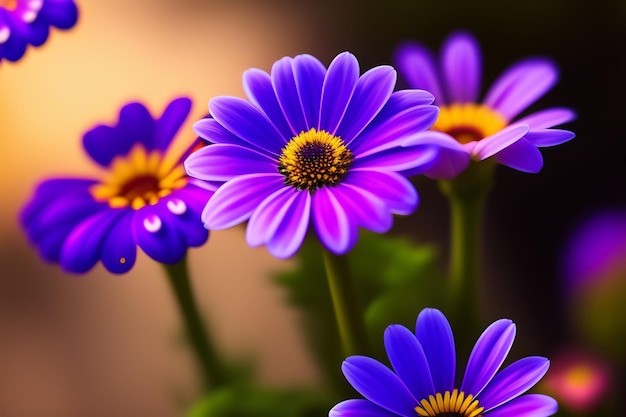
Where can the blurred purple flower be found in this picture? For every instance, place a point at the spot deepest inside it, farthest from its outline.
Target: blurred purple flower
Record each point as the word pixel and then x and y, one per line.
pixel 144 199
pixel 487 128
pixel 315 145
pixel 27 22
pixel 422 382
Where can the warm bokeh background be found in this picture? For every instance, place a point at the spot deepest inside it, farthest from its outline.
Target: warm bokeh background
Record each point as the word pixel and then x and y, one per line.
pixel 98 345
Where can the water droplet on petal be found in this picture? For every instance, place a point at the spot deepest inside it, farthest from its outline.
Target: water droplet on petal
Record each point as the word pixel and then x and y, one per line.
pixel 5 32
pixel 152 223
pixel 177 206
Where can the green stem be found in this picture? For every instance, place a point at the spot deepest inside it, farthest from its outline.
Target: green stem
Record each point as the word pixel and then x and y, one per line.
pixel 345 303
pixel 212 369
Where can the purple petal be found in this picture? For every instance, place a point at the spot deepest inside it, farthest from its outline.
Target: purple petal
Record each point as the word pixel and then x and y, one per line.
pixel 417 65
pixel 435 336
pixel 49 245
pixel 211 130
pixel 61 14
pixel 119 249
pixel 284 83
pixel 309 73
pixel 549 137
pixel 82 248
pixel 184 212
pixel 378 384
pixel 291 232
pixel 452 158
pixel 462 65
pixel 222 162
pixel 247 122
pixel 170 122
pixel 332 224
pixel 520 86
pixel 367 210
pixel 417 158
pixel 339 83
pixel 522 156
pixel 370 95
pixel 548 118
pixel 487 356
pixel 493 144
pixel 359 408
pixel 531 405
pixel 513 381
pixel 408 360
pixel 235 201
pixel 395 190
pixel 157 235
pixel 269 215
pixel 259 89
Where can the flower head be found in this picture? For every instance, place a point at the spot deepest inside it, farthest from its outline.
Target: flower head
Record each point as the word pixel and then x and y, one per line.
pixel 487 128
pixel 422 382
pixel 314 144
pixel 27 22
pixel 144 199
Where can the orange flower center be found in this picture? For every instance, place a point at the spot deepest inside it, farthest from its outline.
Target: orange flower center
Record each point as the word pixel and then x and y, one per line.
pixel 469 122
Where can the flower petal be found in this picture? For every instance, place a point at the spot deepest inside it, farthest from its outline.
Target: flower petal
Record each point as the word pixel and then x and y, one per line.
pixel 170 122
pixel 235 201
pixel 332 224
pixel 213 132
pixel 435 336
pixel 395 190
pixel 247 122
pixel 157 235
pixel 309 73
pixel 548 118
pixel 417 65
pixel 284 83
pixel 291 232
pixel 119 249
pixel 259 89
pixel 493 144
pixel 359 408
pixel 452 158
pixel 61 14
pixel 418 158
pixel 268 216
pixel 531 405
pixel 222 162
pixel 487 356
pixel 409 361
pixel 522 156
pixel 367 210
pixel 549 137
pixel 339 83
pixel 378 384
pixel 462 65
pixel 513 381
pixel 521 85
pixel 184 208
pixel 370 95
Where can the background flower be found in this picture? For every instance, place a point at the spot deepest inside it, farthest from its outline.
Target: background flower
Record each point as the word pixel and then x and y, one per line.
pixel 27 22
pixel 487 128
pixel 144 199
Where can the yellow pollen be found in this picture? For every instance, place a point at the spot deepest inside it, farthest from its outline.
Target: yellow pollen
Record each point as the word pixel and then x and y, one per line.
pixel 449 404
pixel 8 4
pixel 469 122
pixel 138 179
pixel 314 159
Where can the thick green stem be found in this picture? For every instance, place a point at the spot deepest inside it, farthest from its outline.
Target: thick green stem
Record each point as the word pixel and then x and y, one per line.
pixel 212 368
pixel 345 302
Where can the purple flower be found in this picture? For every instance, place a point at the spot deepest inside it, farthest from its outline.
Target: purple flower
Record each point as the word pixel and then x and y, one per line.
pixel 487 128
pixel 314 145
pixel 422 382
pixel 144 199
pixel 27 22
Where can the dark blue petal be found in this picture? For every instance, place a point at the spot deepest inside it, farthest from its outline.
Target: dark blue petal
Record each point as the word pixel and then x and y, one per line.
pixel 119 249
pixel 62 14
pixel 359 408
pixel 185 210
pixel 522 155
pixel 170 122
pixel 157 235
pixel 339 83
pixel 435 336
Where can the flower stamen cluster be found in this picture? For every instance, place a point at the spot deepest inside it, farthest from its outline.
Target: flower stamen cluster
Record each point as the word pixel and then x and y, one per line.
pixel 469 122
pixel 455 404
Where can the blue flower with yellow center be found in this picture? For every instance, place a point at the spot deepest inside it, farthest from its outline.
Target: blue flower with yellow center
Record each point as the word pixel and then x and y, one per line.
pixel 144 199
pixel 27 22
pixel 487 128
pixel 422 383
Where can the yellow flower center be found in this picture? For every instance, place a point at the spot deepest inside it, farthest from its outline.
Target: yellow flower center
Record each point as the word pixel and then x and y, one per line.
pixel 314 159
pixel 450 404
pixel 138 179
pixel 468 122
pixel 8 4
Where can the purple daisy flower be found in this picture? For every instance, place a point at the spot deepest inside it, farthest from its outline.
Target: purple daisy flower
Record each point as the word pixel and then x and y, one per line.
pixel 27 22
pixel 487 128
pixel 314 145
pixel 423 383
pixel 144 199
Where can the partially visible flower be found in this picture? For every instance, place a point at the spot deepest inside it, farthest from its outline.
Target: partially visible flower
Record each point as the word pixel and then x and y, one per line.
pixel 422 382
pixel 314 145
pixel 27 22
pixel 578 380
pixel 487 128
pixel 144 199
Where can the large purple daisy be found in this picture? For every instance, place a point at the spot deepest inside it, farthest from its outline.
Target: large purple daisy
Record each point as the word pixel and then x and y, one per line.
pixel 487 128
pixel 314 144
pixel 144 199
pixel 423 380
pixel 27 22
